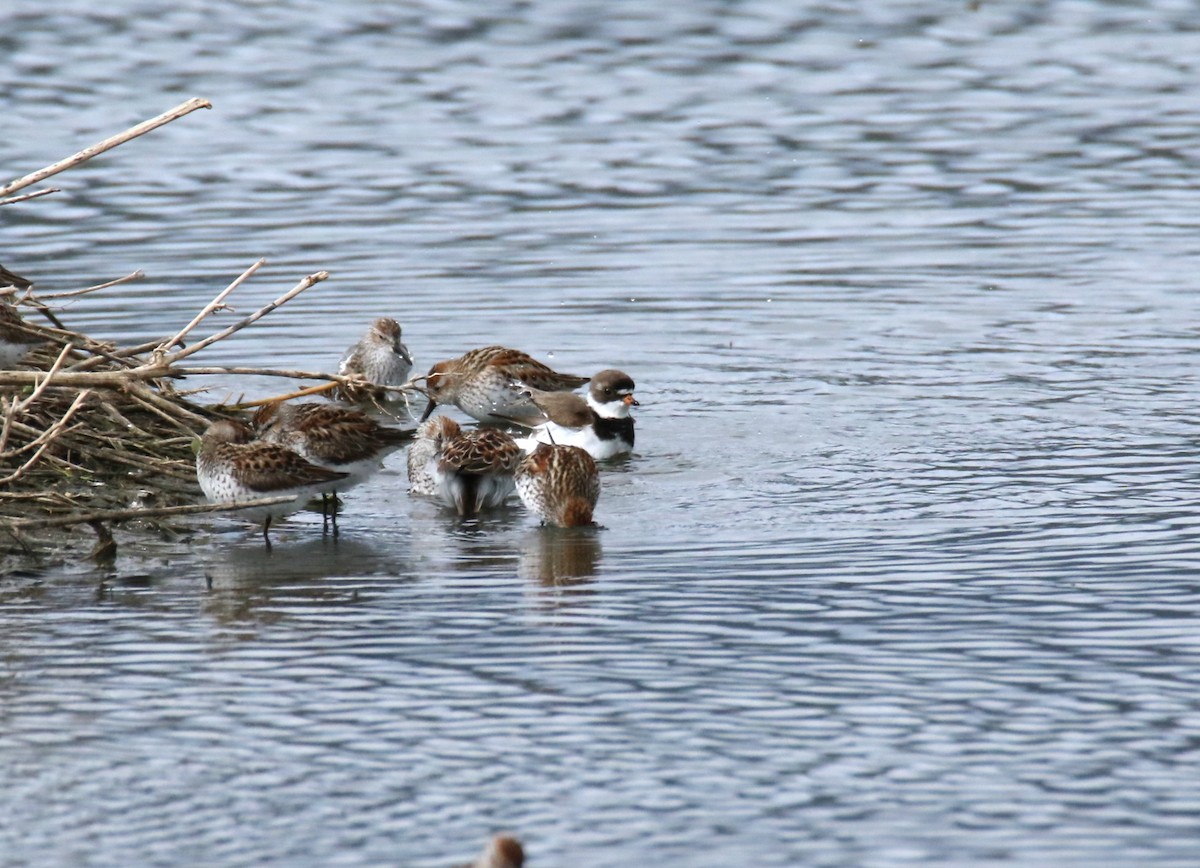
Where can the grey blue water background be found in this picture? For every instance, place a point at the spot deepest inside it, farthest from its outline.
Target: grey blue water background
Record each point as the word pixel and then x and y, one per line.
pixel 904 570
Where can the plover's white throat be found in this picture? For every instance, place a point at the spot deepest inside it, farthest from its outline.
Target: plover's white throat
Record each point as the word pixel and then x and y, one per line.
pixel 599 423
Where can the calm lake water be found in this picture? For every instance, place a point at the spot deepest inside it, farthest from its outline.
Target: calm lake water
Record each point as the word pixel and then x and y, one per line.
pixel 906 567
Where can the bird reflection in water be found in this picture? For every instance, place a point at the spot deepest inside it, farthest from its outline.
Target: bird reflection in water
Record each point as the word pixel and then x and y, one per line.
pixel 559 557
pixel 249 586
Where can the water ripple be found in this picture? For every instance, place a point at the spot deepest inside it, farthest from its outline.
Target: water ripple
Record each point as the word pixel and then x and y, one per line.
pixel 903 570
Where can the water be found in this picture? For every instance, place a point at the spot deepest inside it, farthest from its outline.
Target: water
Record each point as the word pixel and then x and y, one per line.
pixel 904 570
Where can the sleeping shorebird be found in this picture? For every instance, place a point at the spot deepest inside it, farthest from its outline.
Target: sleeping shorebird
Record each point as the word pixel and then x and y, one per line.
pixel 467 470
pixel 337 438
pixel 231 466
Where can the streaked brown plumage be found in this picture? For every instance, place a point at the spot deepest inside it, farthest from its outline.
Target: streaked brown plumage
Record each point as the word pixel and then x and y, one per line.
pixel 559 484
pixel 379 357
pixel 340 438
pixel 231 466
pixel 432 435
pixel 487 383
pixel 474 470
pixel 503 851
pixel 335 437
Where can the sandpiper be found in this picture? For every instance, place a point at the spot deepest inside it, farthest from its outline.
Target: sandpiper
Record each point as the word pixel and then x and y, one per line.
pixel 467 470
pixel 474 471
pixel 559 484
pixel 503 851
pixel 379 357
pixel 487 383
pixel 337 438
pixel 231 466
pixel 599 423
pixel 15 340
pixel 432 434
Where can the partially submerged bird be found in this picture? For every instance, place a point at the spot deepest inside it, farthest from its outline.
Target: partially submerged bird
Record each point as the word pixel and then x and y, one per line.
pixel 379 357
pixel 337 438
pixel 599 423
pixel 488 383
pixel 231 467
pixel 503 851
pixel 559 484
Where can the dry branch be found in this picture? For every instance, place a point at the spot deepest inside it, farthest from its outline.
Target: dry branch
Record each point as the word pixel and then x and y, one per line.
pixel 215 304
pixel 144 512
pixel 252 318
pixel 108 144
pixel 86 427
pixel 46 439
pixel 78 440
pixel 36 194
pixel 54 296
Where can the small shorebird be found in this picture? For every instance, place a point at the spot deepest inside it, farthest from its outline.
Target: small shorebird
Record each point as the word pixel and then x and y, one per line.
pixel 231 466
pixel 503 851
pixel 487 383
pixel 599 423
pixel 336 438
pixel 15 342
pixel 467 470
pixel 559 484
pixel 432 435
pixel 379 357
pixel 474 471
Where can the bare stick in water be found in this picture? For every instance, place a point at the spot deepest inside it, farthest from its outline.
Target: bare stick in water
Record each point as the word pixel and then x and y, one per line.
pixel 36 194
pixel 137 275
pixel 108 144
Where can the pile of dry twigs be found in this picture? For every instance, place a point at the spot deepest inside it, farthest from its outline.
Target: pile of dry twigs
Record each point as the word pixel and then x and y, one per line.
pixel 93 434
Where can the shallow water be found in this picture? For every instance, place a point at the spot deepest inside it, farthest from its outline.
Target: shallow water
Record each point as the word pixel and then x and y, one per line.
pixel 904 570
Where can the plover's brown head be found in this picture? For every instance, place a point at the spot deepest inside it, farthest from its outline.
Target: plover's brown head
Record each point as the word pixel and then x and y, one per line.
pixel 611 393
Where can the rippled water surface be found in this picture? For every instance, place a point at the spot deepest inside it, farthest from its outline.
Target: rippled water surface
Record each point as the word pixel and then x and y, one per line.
pixel 905 568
